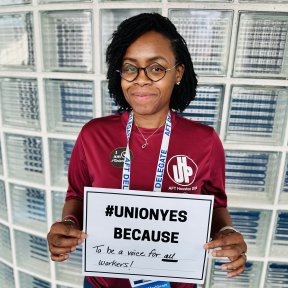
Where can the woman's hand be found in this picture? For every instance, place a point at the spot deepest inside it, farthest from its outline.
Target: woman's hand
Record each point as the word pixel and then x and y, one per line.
pixel 231 244
pixel 63 238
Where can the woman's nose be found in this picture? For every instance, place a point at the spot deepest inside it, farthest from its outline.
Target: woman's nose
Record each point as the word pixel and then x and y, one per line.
pixel 142 77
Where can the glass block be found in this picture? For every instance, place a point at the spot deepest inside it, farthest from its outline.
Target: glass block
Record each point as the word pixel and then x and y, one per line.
pixel 207 106
pixel 1 161
pixel 60 153
pixel 251 176
pixel 32 253
pixel 284 193
pixel 69 103
pixel 28 281
pixel 276 275
pixel 60 1
pixel 16 41
pixel 140 1
pixel 279 246
pixel 29 207
pixel 3 202
pixel 6 276
pixel 109 20
pixel 14 2
pixel 67 40
pixel 257 114
pixel 25 157
pixel 201 1
pixel 265 1
pixel 20 103
pixel 108 104
pixel 260 49
pixel 207 33
pixel 254 226
pixel 5 243
pixel 70 270
pixel 249 278
pixel 58 200
pixel 64 286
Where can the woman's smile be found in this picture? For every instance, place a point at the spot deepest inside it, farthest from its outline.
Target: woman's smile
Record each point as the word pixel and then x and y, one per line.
pixel 143 96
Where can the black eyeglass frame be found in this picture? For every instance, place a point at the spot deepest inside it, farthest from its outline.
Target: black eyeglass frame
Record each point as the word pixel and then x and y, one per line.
pixel 145 72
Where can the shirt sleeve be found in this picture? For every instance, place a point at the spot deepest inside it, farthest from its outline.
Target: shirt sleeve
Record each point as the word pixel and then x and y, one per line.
pixel 216 182
pixel 78 174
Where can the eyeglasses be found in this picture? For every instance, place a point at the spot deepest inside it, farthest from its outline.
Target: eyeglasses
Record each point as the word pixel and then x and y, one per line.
pixel 155 72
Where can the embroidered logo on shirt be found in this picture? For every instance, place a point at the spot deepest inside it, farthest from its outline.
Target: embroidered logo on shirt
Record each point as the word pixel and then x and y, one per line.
pixel 117 157
pixel 182 170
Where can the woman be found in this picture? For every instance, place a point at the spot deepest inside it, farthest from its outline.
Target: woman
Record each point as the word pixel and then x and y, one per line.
pixel 150 73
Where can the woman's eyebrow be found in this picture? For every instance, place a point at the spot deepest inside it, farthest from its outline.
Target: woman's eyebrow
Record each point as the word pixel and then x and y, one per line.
pixel 148 59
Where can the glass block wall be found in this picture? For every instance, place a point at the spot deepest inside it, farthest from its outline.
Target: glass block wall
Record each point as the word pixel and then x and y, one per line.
pixel 52 81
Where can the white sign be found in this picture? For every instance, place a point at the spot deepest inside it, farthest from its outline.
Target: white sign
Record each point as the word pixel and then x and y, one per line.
pixel 146 235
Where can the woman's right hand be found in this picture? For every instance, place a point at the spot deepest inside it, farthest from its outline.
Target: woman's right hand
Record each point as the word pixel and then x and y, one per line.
pixel 63 238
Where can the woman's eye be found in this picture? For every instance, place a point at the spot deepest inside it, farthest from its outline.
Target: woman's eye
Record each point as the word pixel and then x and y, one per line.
pixel 129 69
pixel 157 69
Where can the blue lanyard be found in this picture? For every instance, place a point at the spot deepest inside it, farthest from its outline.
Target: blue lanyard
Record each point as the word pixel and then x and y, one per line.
pixel 158 177
pixel 160 169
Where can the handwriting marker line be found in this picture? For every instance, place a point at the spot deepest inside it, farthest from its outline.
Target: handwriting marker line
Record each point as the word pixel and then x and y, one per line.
pixel 169 260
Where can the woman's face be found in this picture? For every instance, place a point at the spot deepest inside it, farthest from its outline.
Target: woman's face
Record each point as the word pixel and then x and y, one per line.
pixel 145 96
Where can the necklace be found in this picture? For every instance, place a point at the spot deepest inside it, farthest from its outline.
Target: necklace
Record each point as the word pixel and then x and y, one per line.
pixel 146 139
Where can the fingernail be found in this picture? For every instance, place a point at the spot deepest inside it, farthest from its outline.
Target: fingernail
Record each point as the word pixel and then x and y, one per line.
pixel 223 267
pixel 73 249
pixel 80 241
pixel 214 253
pixel 206 246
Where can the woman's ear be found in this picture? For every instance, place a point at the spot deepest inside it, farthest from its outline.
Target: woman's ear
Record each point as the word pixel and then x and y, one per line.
pixel 179 73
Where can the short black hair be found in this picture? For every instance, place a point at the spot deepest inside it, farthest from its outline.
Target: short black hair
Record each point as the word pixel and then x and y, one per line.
pixel 130 30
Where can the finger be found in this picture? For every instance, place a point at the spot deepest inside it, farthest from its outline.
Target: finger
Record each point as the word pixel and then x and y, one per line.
pixel 228 251
pixel 73 231
pixel 236 264
pixel 227 240
pixel 62 250
pixel 236 272
pixel 66 229
pixel 61 241
pixel 59 258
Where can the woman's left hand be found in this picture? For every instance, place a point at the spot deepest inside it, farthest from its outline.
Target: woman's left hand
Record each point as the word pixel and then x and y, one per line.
pixel 231 244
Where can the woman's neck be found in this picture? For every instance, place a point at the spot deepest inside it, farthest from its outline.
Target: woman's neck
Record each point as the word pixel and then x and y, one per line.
pixel 150 121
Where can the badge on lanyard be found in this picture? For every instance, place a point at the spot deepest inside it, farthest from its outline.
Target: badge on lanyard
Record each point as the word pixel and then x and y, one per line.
pixel 149 284
pixel 157 184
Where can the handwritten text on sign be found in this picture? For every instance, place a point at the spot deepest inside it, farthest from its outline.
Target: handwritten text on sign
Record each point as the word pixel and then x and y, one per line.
pixel 148 235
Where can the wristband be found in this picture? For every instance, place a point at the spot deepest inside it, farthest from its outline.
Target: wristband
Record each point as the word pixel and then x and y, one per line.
pixel 71 218
pixel 228 228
